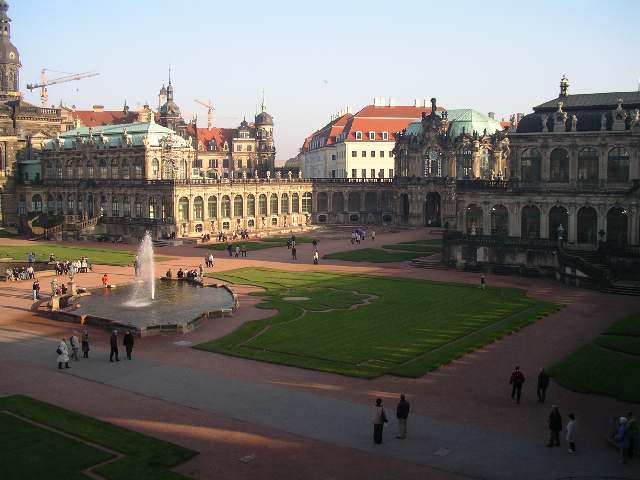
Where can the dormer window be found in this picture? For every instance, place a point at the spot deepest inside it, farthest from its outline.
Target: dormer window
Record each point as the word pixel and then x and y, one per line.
pixel 372 135
pixel 226 146
pixel 385 135
pixel 358 135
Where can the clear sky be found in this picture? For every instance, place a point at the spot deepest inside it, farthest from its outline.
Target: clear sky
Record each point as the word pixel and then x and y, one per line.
pixel 313 58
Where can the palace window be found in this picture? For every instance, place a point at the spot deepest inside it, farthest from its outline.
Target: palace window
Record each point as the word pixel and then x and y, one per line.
pixel 588 168
pixel 391 173
pixel 306 202
pixel 198 208
pixel 114 168
pixel 530 164
pixel 155 169
pixel 89 168
pixel 249 148
pixel 273 204
pixel 354 173
pixel 354 153
pixel 373 173
pixel 618 165
pixel 137 168
pixel 433 164
pixel 152 207
pixel 373 154
pixel 126 206
pixel 213 163
pixel 464 164
pixel 124 169
pixel 69 168
pixel 251 205
pixel 103 168
pixel 559 165
pixel 364 173
pixel 364 154
pixel 385 135
pixel 115 207
pixel 381 153
pixel 486 167
pixel 358 135
pixel 226 206
pixel 212 205
pixel 372 135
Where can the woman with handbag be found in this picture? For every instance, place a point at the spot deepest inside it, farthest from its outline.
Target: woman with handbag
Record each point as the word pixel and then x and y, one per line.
pixel 63 354
pixel 379 419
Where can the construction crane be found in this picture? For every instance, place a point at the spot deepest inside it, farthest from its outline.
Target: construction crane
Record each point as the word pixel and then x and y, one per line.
pixel 209 108
pixel 44 83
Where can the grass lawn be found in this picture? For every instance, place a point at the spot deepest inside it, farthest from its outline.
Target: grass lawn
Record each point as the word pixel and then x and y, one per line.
pixel 252 245
pixel 34 452
pixel 606 366
pixel 392 252
pixel 4 233
pixel 63 252
pixel 367 326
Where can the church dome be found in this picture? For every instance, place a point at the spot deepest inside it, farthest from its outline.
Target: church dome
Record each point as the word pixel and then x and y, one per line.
pixel 8 51
pixel 163 90
pixel 263 118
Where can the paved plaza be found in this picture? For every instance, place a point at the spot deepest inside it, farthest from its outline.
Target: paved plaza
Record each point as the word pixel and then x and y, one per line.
pixel 251 419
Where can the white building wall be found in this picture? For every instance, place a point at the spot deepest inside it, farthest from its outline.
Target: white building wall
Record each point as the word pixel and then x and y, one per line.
pixel 367 163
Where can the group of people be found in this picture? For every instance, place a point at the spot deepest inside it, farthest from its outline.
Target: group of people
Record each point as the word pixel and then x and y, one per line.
pixel 624 430
pixel 16 273
pixel 242 234
pixel 208 260
pixel 70 351
pixel 240 250
pixel 358 236
pixel 194 274
pixel 76 266
pixel 379 418
pixel 127 342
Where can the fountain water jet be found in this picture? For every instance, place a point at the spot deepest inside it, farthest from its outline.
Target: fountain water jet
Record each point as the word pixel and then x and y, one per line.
pixel 144 291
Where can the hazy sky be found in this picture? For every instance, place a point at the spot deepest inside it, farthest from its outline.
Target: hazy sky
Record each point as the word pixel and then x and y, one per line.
pixel 313 58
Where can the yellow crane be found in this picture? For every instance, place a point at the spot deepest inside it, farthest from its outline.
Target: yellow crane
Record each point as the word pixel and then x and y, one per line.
pixel 209 108
pixel 44 82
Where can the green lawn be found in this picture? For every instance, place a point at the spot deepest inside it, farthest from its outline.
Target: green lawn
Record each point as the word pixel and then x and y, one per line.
pixel 63 252
pixel 4 233
pixel 392 252
pixel 34 452
pixel 608 365
pixel 375 325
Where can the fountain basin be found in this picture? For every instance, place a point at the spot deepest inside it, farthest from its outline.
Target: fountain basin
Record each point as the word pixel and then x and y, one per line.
pixel 179 307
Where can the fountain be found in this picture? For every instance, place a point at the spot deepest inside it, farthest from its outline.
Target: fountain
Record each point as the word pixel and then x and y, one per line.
pixel 144 289
pixel 148 308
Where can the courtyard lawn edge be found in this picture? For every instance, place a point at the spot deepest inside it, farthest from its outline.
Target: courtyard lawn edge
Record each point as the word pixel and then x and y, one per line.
pixel 413 360
pixel 145 457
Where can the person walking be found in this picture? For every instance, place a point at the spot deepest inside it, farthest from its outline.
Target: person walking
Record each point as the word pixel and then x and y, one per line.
pixel 516 381
pixel 483 282
pixel 379 419
pixel 75 346
pixel 555 427
pixel 200 270
pixel 402 414
pixel 293 253
pixel 230 249
pixel 373 235
pixel 622 438
pixel 237 251
pixel 54 287
pixel 543 383
pixel 136 266
pixel 36 290
pixel 128 343
pixel 316 258
pixel 85 344
pixel 114 346
pixel 571 433
pixel 211 260
pixel 632 427
pixel 63 354
pixel 243 251
pixel 105 280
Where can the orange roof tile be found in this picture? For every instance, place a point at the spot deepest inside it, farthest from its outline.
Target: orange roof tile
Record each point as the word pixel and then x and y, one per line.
pixel 89 118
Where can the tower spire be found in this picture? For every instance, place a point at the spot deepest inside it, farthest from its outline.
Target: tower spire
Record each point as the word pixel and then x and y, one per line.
pixel 263 107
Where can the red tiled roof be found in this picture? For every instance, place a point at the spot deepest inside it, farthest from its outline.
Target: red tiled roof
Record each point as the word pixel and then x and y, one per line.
pixel 505 124
pixel 220 135
pixel 89 118
pixel 371 118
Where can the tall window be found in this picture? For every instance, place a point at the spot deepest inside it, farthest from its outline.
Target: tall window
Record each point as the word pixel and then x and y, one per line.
pixel 618 165
pixel 152 207
pixel 103 168
pixel 588 160
pixel 251 205
pixel 284 204
pixel 124 168
pixel 238 206
pixel 262 204
pixel 198 208
pixel 115 206
pixel 295 203
pixel 464 163
pixel 212 205
pixel 183 209
pixel 137 168
pixel 354 153
pixel 531 162
pixel 126 206
pixel 273 204
pixel 306 202
pixel 226 207
pixel 114 168
pixel 559 166
pixel 89 168
pixel 69 168
pixel 155 169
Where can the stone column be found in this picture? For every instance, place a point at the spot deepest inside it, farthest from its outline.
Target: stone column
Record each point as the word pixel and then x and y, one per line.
pixel 544 221
pixel 486 218
pixel 515 229
pixel 572 234
pixel 545 164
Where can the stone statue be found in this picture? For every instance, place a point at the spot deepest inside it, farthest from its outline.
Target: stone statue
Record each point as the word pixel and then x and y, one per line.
pixel 574 123
pixel 268 174
pixel 255 174
pixel 545 128
pixel 290 175
pixel 603 122
pixel 300 174
pixel 244 174
pixel 278 175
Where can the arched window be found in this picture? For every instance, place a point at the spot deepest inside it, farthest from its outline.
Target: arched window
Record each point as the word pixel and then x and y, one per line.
pixel 588 160
pixel 183 209
pixel 337 202
pixel 49 169
pixel 155 169
pixel 474 220
pixel 387 201
pixel 559 166
pixel 114 168
pixel 225 206
pixel 295 203
pixel 486 164
pixel 103 168
pixel 618 165
pixel 51 205
pixel 137 168
pixel 69 168
pixel 89 168
pixel 323 202
pixel 251 205
pixel 22 205
pixel 80 203
pixel 262 204
pixel 273 204
pixel 306 202
pixel 152 206
pixel 371 202
pixel 59 204
pixel 212 205
pixel 238 206
pixel 433 163
pixel 588 225
pixel 36 203
pixel 124 169
pixel 530 163
pixel 126 206
pixel 70 204
pixel 558 216
pixel 284 204
pixel 530 226
pixel 499 220
pixel 464 163
pixel 59 169
pixel 138 207
pixel 198 208
pixel 354 201
pixel 617 224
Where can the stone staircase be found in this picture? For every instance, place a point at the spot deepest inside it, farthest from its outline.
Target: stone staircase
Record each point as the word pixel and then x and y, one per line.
pixel 616 286
pixel 433 262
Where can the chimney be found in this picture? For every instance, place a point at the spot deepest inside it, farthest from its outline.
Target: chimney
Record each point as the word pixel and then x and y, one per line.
pixel 98 108
pixel 391 102
pixel 416 102
pixel 492 115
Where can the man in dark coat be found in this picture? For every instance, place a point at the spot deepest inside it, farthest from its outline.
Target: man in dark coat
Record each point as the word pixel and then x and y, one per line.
pixel 555 427
pixel 516 381
pixel 114 346
pixel 543 383
pixel 402 413
pixel 128 343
